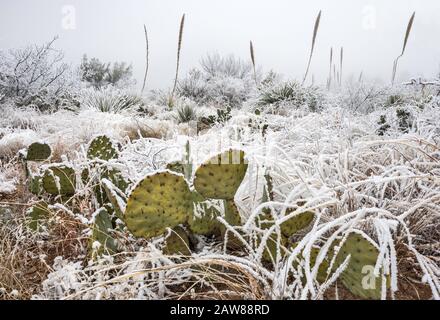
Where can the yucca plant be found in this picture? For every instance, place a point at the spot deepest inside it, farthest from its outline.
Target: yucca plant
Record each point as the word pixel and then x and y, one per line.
pixel 186 113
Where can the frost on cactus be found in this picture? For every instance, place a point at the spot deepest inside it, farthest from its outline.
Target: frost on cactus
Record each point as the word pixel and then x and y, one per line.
pixel 271 250
pixel 38 215
pixel 59 180
pixel 177 242
pixel 115 196
pixel 289 227
pixel 322 269
pixel 204 221
pixel 358 277
pixel 35 184
pixel 102 148
pixel 221 176
pixel 96 175
pixel 233 218
pixel 159 201
pixel 176 166
pixel 38 152
pixel 101 233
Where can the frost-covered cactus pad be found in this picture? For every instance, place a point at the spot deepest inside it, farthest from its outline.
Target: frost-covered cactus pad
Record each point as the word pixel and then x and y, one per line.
pixel 102 148
pixel 38 214
pixel 358 276
pixel 177 242
pixel 204 220
pixel 297 223
pixel 38 152
pixel 159 201
pixel 115 196
pixel 221 176
pixel 59 180
pixel 101 233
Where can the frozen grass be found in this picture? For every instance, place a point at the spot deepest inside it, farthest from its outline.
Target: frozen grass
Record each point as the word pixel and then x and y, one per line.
pixel 333 161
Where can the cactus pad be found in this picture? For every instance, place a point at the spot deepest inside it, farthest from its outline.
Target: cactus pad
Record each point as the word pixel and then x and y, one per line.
pixel 232 217
pixel 38 152
pixel 35 182
pixel 363 253
pixel 204 219
pixel 159 201
pixel 270 252
pixel 38 214
pixel 177 242
pixel 176 166
pixel 102 148
pixel 221 176
pixel 289 227
pixel 115 196
pixel 101 232
pixel 59 180
pixel 297 223
pixel 323 267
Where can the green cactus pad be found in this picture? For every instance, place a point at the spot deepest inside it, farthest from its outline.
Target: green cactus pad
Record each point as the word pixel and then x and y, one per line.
pixel 176 166
pixel 115 196
pixel 323 267
pixel 38 152
pixel 270 252
pixel 38 215
pixel 35 184
pixel 204 221
pixel 232 217
pixel 102 148
pixel 363 254
pixel 162 200
pixel 59 180
pixel 297 223
pixel 177 242
pixel 221 176
pixel 101 232
pixel 289 227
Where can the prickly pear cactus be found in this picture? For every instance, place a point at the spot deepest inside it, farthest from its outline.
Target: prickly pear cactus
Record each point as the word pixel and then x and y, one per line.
pixel 35 184
pixel 102 241
pixel 115 196
pixel 297 223
pixel 59 180
pixel 271 251
pixel 323 267
pixel 159 201
pixel 289 227
pixel 233 218
pixel 221 176
pixel 102 148
pixel 204 221
pixel 38 215
pixel 38 152
pixel 358 277
pixel 176 166
pixel 177 242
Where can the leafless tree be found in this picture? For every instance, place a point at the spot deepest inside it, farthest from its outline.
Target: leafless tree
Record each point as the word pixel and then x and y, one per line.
pixel 32 70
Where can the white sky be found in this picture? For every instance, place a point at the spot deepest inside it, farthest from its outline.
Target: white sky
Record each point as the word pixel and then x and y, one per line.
pixel 371 32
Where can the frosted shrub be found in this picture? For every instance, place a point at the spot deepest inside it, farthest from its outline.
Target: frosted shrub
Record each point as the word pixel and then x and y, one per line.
pixel 220 81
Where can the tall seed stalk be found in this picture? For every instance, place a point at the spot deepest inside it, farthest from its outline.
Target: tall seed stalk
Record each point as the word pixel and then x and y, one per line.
pixel 179 48
pixel 329 80
pixel 251 47
pixel 147 59
pixel 405 42
pixel 340 66
pixel 315 34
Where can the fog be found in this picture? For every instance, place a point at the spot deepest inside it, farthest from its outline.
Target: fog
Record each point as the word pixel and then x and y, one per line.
pixel 371 33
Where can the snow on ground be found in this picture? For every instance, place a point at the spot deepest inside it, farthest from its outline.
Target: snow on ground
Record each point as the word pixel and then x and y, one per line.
pixel 333 160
